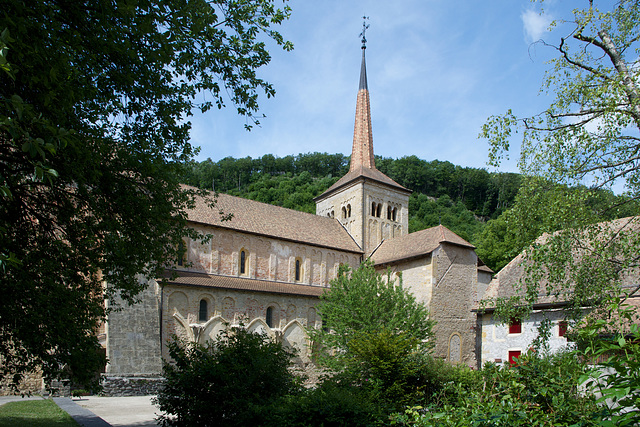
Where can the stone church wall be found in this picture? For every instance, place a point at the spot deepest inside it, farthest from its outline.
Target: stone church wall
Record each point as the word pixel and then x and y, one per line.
pixel 416 277
pixel 353 207
pixel 380 225
pixel 31 383
pixel 454 290
pixel 135 345
pixel 347 207
pixel 290 314
pixel 268 258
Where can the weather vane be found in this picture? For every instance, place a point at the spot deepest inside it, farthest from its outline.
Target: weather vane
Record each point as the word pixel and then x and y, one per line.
pixel 364 29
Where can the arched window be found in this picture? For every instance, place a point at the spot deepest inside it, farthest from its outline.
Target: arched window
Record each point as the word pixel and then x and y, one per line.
pixel 373 208
pixel 344 212
pixel 182 253
pixel 298 273
pixel 243 262
pixel 379 211
pixel 348 211
pixel 394 214
pixel 388 212
pixel 332 214
pixel 269 317
pixel 203 312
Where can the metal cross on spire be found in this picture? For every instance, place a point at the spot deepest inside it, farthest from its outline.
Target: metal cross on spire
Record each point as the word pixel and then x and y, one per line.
pixel 364 29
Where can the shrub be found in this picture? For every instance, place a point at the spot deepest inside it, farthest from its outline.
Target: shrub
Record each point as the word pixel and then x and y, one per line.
pixel 444 383
pixel 538 391
pixel 230 382
pixel 615 379
pixel 332 403
pixel 396 372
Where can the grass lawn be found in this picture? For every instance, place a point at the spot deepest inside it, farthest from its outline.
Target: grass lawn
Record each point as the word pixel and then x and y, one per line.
pixel 34 413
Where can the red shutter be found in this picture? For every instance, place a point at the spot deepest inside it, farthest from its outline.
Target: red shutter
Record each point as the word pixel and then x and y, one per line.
pixel 513 357
pixel 562 328
pixel 515 327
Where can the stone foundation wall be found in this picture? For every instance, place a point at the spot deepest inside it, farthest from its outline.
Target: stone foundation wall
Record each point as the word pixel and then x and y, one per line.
pixel 31 384
pixel 130 385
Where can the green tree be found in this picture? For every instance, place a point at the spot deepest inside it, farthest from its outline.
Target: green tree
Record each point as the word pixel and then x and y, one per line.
pixel 589 134
pixel 93 101
pixel 361 302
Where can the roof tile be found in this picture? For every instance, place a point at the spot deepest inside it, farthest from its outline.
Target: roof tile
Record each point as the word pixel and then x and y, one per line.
pixel 416 244
pixel 254 217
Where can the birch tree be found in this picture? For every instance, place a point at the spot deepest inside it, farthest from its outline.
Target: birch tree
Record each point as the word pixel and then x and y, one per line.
pixel 588 139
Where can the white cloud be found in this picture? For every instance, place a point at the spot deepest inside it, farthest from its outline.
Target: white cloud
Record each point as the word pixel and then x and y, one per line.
pixel 535 24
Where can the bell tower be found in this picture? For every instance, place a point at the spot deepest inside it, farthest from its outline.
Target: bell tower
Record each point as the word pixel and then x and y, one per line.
pixel 369 204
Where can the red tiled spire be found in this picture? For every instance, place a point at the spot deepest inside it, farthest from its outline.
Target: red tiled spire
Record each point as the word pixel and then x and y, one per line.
pixel 362 151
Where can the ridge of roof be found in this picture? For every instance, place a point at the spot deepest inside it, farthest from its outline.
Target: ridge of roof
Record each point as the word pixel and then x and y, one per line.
pixel 254 217
pixel 416 244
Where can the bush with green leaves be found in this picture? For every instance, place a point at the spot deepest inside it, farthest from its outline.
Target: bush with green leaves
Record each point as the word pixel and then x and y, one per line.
pixel 384 364
pixel 230 382
pixel 394 372
pixel 539 391
pixel 332 403
pixel 615 379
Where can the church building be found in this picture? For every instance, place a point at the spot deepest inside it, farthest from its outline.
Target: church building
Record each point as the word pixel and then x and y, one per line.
pixel 267 267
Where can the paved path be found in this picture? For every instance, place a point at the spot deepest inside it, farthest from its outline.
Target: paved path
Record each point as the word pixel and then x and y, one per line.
pixel 83 416
pixel 134 411
pixel 94 411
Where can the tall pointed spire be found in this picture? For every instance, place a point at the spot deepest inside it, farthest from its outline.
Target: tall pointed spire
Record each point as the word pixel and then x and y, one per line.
pixel 362 151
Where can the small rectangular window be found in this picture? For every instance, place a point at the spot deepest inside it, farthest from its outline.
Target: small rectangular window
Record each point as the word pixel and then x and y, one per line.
pixel 562 328
pixel 182 253
pixel 269 317
pixel 513 357
pixel 515 326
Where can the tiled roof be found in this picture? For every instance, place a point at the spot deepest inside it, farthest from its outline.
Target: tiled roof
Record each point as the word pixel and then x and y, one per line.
pixel 254 217
pixel 241 284
pixel 416 244
pixel 483 267
pixel 505 284
pixel 362 152
pixel 364 173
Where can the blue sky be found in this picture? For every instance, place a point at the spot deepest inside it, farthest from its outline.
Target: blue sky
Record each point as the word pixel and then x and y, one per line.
pixel 436 70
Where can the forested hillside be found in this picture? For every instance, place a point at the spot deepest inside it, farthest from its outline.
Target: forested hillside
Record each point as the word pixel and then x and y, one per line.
pixel 471 202
pixel 462 199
